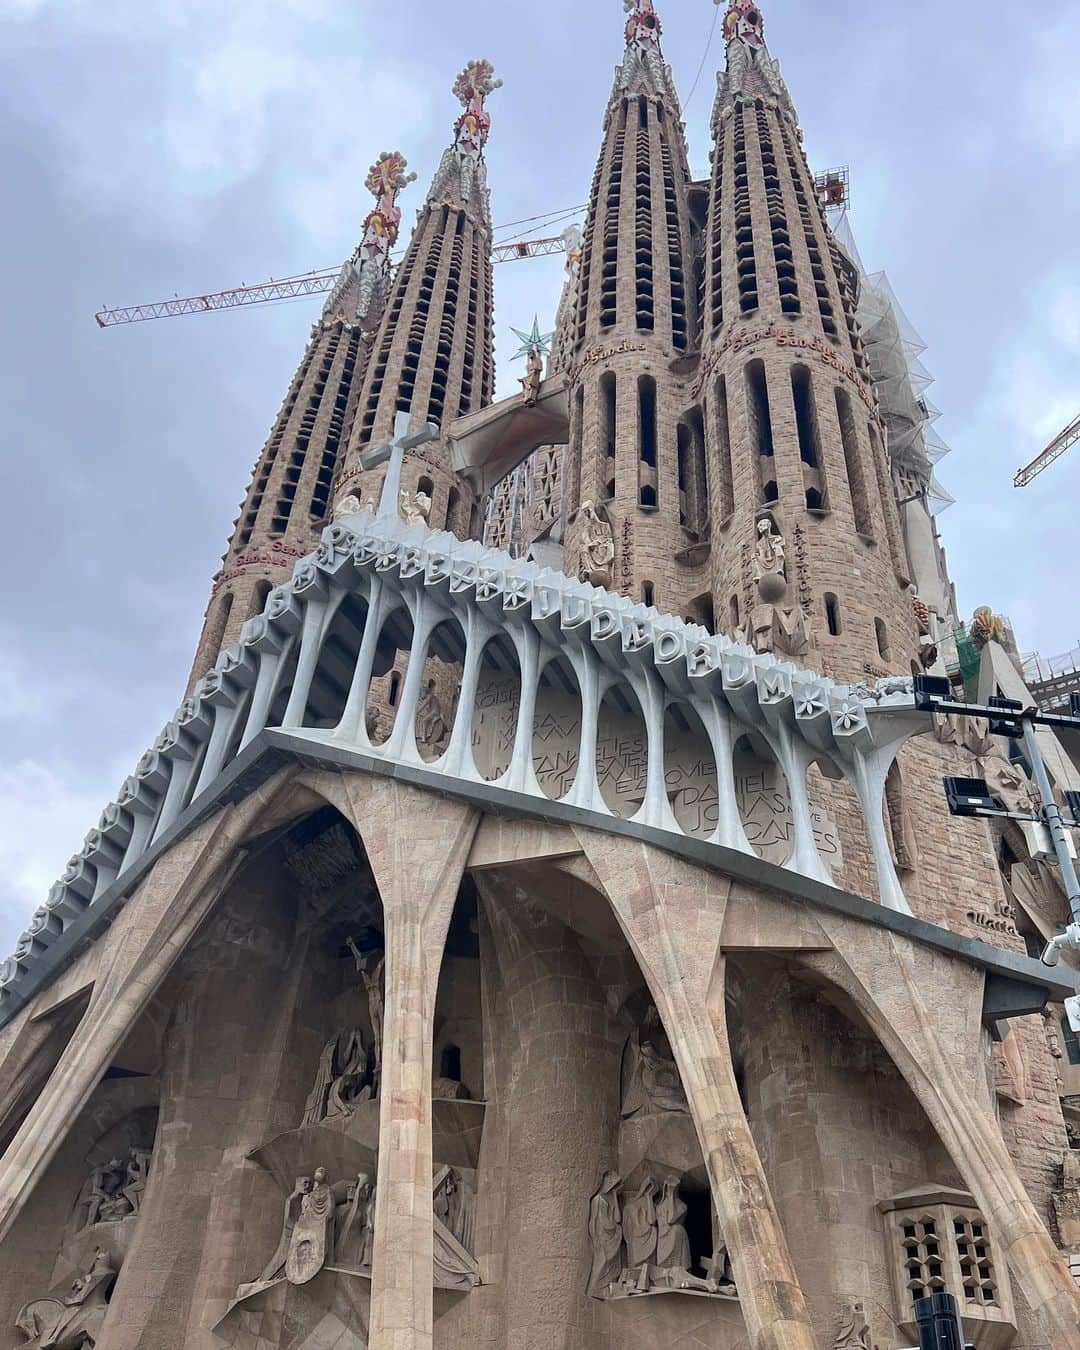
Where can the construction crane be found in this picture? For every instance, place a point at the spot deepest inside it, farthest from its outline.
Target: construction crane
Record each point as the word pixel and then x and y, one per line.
pixel 288 288
pixel 1063 441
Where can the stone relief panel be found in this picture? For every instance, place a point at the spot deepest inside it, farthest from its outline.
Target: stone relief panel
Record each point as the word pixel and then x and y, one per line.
pixel 761 789
pixel 70 1317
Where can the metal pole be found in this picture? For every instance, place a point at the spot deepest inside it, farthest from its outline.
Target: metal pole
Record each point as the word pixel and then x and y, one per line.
pixel 1051 814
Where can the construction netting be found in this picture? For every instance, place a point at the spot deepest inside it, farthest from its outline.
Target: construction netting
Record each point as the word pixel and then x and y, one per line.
pixel 894 349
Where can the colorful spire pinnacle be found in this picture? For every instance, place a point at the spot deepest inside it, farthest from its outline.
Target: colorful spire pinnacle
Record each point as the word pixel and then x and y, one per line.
pixel 643 27
pixel 461 170
pixel 369 266
pixel 385 180
pixel 751 72
pixel 744 23
pixel 471 87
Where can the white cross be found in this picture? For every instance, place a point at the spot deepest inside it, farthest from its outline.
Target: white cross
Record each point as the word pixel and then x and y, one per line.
pixel 394 455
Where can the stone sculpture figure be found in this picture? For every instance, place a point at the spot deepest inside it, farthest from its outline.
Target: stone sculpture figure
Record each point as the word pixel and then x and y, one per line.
pixel 650 1077
pixel 597 546
pixel 347 506
pixel 672 1244
pixel 606 1235
pixel 371 972
pixel 72 1319
pixel 639 1227
pixel 415 508
pixel 431 724
pixel 452 1211
pixel 342 1080
pixel 275 1267
pixel 534 373
pixel 852 1329
pixel 718 1269
pixel 114 1190
pixel 775 625
pixel 353 1242
pixel 311 1245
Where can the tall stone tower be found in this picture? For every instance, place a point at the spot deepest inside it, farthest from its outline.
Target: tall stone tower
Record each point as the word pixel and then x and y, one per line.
pixel 288 500
pixel 433 355
pixel 635 324
pixel 795 444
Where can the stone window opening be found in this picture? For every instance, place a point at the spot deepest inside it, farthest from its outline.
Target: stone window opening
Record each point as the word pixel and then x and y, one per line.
pixel 745 261
pixel 716 242
pixel 648 593
pixel 725 470
pixel 217 633
pixel 395 689
pixel 860 498
pixel 941 1244
pixel 1072 1042
pixel 608 392
pixel 882 635
pixel 258 600
pixel 693 482
pixel 733 611
pixel 832 615
pixel 806 423
pixel 759 418
pixel 643 269
pixel 450 1063
pixel 648 482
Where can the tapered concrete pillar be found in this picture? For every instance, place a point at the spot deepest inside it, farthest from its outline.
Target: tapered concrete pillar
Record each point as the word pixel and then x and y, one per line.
pixel 672 914
pixel 926 1011
pixel 417 844
pixel 140 949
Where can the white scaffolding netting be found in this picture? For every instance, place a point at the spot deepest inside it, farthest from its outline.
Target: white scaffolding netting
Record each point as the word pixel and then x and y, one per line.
pixel 893 348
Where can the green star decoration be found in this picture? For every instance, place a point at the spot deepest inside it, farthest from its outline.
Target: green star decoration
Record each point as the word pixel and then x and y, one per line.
pixel 532 342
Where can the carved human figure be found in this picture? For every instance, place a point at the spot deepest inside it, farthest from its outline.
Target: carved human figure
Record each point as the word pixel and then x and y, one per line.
pixel 347 506
pixel 352 1244
pixel 672 1244
pixel 650 1076
pixel 71 1319
pixel 852 1329
pixel 452 1205
pixel 415 508
pixel 534 373
pixel 370 967
pixel 312 1243
pixel 718 1269
pixel 275 1267
pixel 597 546
pixel 606 1235
pixel 315 1108
pixel 770 567
pixel 432 728
pixel 639 1227
pixel 352 1084
pixel 107 1201
pixel 1009 783
pixel 138 1171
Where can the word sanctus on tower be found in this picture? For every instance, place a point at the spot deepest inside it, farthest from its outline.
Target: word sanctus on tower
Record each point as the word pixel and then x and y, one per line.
pixel 541 926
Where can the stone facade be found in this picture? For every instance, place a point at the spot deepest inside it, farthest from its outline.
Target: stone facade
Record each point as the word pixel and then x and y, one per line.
pixel 484 957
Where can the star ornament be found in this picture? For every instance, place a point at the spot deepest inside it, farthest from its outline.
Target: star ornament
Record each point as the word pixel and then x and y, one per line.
pixel 534 341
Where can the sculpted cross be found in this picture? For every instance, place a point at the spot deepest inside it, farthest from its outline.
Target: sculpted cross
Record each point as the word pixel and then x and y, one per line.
pixel 394 455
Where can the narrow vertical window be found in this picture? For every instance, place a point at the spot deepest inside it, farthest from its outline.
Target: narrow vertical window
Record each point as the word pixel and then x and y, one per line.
pixel 648 482
pixel 860 500
pixel 832 615
pixel 882 634
pixel 607 404
pixel 725 476
pixel 806 424
pixel 395 689
pixel 648 593
pixel 761 435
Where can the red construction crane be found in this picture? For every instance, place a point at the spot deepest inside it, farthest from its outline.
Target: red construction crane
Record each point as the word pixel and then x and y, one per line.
pixel 307 283
pixel 1063 441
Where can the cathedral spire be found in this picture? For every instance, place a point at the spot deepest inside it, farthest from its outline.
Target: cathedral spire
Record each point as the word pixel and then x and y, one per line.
pixel 643 69
pixel 362 287
pixel 433 354
pixel 751 72
pixel 461 178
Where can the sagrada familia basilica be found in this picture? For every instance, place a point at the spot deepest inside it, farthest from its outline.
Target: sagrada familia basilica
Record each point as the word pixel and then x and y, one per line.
pixel 541 926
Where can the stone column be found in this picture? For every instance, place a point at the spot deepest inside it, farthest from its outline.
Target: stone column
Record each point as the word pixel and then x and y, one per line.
pixel 142 946
pixel 926 1011
pixel 417 844
pixel 672 914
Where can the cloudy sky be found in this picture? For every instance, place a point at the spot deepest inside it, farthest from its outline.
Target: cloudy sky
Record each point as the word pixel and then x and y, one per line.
pixel 159 147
